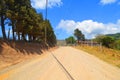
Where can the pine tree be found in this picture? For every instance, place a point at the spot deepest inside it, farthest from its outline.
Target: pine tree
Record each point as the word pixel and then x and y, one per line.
pixel 3 9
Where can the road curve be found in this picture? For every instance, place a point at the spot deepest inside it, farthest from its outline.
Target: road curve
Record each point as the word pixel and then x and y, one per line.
pixel 64 63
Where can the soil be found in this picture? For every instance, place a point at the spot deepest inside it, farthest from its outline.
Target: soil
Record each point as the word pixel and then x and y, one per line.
pixel 15 52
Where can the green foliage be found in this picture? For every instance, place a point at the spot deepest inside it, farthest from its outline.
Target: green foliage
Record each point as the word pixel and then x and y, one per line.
pixel 105 40
pixel 79 35
pixel 70 40
pixel 25 21
pixel 109 41
pixel 116 45
pixel 3 9
pixel 116 36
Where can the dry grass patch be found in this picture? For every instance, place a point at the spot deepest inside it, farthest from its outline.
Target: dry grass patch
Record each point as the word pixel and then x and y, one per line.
pixel 109 55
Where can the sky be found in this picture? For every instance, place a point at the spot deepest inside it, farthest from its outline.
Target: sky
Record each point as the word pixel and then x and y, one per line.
pixel 92 17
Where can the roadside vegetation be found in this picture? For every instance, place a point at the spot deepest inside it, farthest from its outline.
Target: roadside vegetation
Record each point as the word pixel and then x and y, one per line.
pixel 109 41
pixel 70 40
pixel 105 47
pixel 111 56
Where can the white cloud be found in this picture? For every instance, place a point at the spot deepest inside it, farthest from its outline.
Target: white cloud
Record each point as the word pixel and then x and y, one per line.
pixel 89 27
pixel 40 4
pixel 107 1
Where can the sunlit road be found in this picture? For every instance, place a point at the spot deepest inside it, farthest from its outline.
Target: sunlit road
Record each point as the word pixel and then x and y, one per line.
pixel 64 63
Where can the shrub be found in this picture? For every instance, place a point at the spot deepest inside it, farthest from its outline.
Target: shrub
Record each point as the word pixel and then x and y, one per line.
pixel 116 44
pixel 105 40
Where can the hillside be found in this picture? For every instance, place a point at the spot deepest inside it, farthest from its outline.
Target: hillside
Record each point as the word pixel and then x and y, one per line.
pixel 116 36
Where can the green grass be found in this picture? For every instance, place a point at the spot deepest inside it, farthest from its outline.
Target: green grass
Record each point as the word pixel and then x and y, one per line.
pixel 109 55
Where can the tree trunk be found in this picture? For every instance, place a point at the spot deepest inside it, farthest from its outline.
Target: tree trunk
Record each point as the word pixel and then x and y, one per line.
pixel 34 38
pixel 18 35
pixel 30 37
pixel 13 30
pixel 23 37
pixel 9 34
pixel 3 28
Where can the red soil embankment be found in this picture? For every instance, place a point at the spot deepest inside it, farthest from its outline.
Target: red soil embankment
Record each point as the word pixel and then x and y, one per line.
pixel 14 52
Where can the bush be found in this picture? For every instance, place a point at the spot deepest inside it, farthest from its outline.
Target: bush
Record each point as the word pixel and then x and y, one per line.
pixel 116 44
pixel 105 40
pixel 70 40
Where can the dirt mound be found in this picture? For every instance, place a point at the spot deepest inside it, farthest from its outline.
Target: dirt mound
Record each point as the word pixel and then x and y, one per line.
pixel 15 52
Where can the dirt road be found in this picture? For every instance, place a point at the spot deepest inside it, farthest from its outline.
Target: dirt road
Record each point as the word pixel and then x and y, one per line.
pixel 65 63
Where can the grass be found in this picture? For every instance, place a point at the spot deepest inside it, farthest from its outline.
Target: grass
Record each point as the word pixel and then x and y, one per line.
pixel 109 55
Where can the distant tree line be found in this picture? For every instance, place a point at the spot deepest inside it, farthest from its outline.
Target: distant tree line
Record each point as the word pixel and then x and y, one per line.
pixel 108 41
pixel 70 40
pixel 25 22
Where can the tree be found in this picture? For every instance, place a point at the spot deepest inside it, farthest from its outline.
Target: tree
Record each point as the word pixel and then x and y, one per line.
pixel 22 7
pixel 116 45
pixel 9 14
pixel 70 40
pixel 79 35
pixel 25 21
pixel 50 36
pixel 105 40
pixel 18 8
pixel 3 9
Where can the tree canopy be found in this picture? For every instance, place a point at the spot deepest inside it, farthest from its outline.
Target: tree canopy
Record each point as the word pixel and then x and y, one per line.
pixel 25 22
pixel 70 40
pixel 79 35
pixel 108 41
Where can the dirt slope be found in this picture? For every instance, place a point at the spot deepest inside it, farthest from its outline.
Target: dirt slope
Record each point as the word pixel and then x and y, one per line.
pixel 15 52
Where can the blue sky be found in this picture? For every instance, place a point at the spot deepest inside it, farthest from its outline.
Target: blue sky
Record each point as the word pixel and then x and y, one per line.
pixel 92 17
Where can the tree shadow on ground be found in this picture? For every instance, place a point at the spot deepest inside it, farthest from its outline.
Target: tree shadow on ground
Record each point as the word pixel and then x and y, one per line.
pixel 26 47
pixel 1 48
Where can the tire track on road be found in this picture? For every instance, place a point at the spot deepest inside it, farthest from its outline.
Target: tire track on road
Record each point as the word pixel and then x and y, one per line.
pixel 66 72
